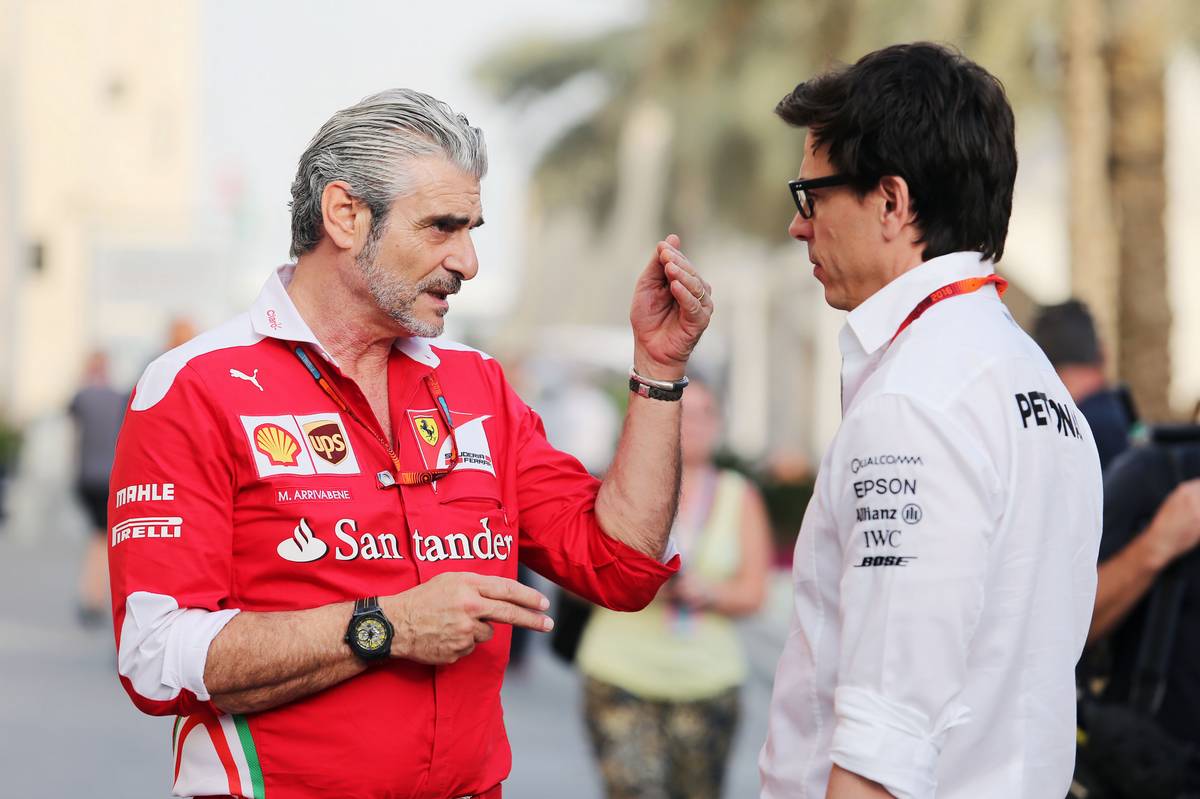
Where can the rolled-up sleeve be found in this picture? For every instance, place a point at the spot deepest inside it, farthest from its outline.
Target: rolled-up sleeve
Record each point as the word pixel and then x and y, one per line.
pixel 917 502
pixel 562 539
pixel 170 547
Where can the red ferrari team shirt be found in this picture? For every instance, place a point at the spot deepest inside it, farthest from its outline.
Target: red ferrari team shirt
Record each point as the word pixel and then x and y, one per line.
pixel 240 483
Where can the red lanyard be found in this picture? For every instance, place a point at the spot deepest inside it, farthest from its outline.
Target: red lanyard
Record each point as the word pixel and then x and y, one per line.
pixel 435 388
pixel 953 290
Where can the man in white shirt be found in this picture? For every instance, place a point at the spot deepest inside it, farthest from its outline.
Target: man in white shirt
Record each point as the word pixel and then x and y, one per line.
pixel 946 567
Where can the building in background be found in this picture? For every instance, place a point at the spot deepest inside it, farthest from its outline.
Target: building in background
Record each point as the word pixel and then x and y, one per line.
pixel 99 135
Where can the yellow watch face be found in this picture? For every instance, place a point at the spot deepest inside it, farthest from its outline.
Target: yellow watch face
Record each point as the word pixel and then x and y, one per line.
pixel 370 635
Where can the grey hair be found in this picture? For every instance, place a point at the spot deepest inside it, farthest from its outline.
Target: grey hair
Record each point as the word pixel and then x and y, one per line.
pixel 367 145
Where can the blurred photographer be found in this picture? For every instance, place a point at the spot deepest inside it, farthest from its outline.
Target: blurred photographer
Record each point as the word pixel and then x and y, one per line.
pixel 1142 695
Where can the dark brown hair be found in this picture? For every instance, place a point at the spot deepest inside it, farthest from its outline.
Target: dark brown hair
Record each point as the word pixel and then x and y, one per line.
pixel 928 114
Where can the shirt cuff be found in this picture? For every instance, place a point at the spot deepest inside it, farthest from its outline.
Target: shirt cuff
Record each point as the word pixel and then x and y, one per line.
pixel 163 648
pixel 890 743
pixel 195 631
pixel 670 552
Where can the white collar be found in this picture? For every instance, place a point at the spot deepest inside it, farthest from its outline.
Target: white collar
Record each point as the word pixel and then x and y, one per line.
pixel 274 315
pixel 876 320
pixel 418 349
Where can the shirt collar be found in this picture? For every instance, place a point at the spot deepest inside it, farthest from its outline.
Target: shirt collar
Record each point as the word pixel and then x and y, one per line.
pixel 875 321
pixel 274 315
pixel 419 349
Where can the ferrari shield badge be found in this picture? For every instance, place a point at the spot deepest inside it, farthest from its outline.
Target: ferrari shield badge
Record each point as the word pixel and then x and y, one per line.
pixel 427 428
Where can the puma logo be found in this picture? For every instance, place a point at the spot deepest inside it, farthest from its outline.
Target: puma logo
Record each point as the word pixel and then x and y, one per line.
pixel 248 378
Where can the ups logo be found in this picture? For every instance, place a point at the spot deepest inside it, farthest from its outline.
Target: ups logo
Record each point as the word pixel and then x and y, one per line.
pixel 327 440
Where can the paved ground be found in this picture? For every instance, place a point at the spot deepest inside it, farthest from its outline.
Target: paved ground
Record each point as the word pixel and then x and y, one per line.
pixel 68 730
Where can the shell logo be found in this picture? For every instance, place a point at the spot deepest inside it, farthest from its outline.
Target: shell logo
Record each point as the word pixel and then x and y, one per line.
pixel 277 444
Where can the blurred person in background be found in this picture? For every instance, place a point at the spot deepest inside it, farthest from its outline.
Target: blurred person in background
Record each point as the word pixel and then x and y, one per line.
pixel 97 410
pixel 318 507
pixel 945 570
pixel 582 419
pixel 1141 696
pixel 662 684
pixel 180 330
pixel 1067 334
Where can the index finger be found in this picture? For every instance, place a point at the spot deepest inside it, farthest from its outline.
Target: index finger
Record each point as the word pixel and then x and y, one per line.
pixel 673 256
pixel 508 613
pixel 508 590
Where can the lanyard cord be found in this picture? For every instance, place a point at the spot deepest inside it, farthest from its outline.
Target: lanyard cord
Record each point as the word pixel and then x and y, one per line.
pixel 402 477
pixel 967 286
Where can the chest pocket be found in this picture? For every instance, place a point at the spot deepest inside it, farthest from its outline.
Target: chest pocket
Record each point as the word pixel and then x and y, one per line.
pixel 463 526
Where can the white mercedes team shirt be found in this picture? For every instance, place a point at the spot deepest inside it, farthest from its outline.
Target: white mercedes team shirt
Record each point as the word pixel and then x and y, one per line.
pixel 946 567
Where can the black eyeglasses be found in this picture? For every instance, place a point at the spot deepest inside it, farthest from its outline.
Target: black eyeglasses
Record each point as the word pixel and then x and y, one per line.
pixel 804 200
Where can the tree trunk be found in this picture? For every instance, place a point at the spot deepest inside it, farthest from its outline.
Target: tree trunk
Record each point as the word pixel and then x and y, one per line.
pixel 1091 225
pixel 1138 143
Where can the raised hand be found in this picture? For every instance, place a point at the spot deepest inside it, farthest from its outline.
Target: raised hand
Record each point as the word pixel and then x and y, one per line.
pixel 671 307
pixel 443 620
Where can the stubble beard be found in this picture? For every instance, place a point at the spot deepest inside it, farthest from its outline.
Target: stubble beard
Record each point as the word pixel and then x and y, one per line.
pixel 398 297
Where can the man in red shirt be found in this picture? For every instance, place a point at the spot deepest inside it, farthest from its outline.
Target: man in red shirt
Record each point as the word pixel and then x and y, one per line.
pixel 317 508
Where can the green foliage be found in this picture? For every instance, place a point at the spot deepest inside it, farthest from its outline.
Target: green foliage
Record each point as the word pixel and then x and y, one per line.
pixel 10 446
pixel 718 67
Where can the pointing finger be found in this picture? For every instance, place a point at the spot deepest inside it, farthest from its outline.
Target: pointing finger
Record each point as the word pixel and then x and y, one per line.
pixel 508 613
pixel 508 590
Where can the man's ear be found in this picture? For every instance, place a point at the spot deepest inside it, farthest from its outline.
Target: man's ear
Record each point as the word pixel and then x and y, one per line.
pixel 343 216
pixel 896 210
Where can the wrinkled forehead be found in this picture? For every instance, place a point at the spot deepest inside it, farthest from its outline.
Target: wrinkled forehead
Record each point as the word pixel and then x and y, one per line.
pixel 435 183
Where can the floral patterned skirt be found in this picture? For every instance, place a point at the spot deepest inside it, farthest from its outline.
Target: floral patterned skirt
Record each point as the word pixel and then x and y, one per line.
pixel 650 749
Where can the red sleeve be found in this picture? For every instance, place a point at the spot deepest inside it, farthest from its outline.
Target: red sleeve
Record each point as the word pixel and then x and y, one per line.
pixel 170 540
pixel 560 535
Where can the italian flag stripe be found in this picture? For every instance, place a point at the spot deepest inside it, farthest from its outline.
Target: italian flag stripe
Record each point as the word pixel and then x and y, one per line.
pixel 229 751
pixel 251 753
pixel 224 754
pixel 175 733
pixel 189 725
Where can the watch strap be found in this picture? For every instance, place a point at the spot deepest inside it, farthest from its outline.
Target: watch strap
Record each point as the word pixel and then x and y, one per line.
pixel 366 605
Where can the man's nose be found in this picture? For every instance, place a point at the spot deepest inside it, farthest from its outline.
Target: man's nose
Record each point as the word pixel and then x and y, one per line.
pixel 463 260
pixel 800 228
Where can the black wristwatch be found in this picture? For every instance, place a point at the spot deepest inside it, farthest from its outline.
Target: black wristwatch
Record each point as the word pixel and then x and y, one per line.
pixel 369 633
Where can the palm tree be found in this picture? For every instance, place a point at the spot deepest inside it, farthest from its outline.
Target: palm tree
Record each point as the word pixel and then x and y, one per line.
pixel 1114 106
pixel 683 134
pixel 1138 151
pixel 1086 114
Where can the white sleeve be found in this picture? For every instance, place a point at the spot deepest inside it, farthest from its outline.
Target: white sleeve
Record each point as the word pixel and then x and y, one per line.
pixel 163 648
pixel 916 502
